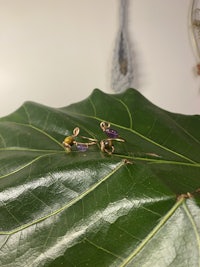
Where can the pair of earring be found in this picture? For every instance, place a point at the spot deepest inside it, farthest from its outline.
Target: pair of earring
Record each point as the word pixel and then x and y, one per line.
pixel 106 145
pixel 69 141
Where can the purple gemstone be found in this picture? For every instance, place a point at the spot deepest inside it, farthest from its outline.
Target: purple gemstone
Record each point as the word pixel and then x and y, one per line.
pixel 82 147
pixel 111 133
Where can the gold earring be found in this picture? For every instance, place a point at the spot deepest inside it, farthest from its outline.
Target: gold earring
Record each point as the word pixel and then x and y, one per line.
pixel 69 141
pixel 106 145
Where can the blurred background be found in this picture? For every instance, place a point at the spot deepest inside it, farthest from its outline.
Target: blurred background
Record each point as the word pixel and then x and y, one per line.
pixel 56 52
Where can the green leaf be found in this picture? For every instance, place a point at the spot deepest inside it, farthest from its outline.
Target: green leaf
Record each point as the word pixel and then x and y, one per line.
pixel 138 207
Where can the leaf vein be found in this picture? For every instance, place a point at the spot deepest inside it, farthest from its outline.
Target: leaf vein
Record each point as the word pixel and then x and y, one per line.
pixel 152 233
pixel 128 111
pixel 72 202
pixel 93 106
pixel 185 131
pixel 189 215
pixel 103 249
pixel 26 165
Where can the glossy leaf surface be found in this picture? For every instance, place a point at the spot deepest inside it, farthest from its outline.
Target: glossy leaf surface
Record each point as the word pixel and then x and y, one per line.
pixel 136 207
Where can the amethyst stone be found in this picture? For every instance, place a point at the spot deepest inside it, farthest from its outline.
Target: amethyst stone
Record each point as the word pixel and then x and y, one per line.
pixel 82 147
pixel 111 133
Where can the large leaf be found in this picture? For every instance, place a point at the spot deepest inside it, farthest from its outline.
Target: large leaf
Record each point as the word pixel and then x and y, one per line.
pixel 139 206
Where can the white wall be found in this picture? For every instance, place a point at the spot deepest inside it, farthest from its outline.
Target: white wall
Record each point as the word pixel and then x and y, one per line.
pixel 56 52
